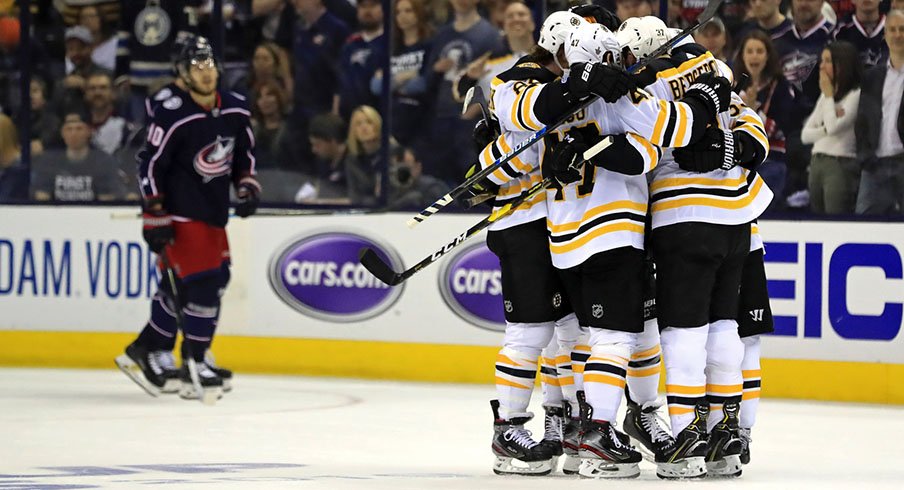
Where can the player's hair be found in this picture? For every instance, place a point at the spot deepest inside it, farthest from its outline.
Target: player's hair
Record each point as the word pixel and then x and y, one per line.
pixel 540 55
pixel 9 141
pixel 424 27
pixel 773 68
pixel 327 126
pixel 847 67
pixel 356 147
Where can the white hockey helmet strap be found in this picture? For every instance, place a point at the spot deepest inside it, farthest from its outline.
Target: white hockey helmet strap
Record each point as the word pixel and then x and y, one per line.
pixel 555 29
pixel 592 43
pixel 642 35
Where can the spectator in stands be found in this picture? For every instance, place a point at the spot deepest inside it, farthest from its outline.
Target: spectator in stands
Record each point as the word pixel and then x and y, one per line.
pixel 13 175
pixel 362 55
pixel 109 130
pixel 409 188
pixel 766 16
pixel 880 127
pixel 328 144
pixel 109 10
pixel 364 163
pixel 842 8
pixel 45 124
pixel 518 40
pixel 79 173
pixel 276 147
pixel 834 173
pixel 799 48
pixel 865 29
pixel 146 35
pixel 410 51
pixel 318 39
pixel 714 38
pixel 625 9
pixel 270 62
pixel 456 44
pixel 495 10
pixel 103 46
pixel 78 58
pixel 773 99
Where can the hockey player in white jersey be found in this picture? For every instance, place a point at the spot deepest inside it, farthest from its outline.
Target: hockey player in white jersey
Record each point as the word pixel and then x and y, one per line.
pixel 703 199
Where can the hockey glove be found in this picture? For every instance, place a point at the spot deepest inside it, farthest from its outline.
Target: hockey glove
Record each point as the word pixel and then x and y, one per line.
pixel 248 193
pixel 482 192
pixel 157 224
pixel 609 82
pixel 717 149
pixel 485 132
pixel 597 15
pixel 713 91
pixel 568 158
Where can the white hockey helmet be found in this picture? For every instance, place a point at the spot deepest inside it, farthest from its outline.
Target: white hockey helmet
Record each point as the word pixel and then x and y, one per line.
pixel 642 35
pixel 592 43
pixel 555 29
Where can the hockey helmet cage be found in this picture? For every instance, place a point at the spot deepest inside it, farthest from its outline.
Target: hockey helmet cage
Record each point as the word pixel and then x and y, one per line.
pixel 554 31
pixel 591 43
pixel 642 35
pixel 197 49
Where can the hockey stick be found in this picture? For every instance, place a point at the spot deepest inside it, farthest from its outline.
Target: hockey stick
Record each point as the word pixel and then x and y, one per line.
pixel 384 272
pixel 450 196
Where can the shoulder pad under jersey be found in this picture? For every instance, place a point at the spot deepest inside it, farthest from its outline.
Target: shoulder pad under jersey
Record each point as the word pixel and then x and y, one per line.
pixel 527 69
pixel 647 75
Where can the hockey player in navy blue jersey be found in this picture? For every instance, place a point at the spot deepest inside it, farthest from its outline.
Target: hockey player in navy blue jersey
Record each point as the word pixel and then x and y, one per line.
pixel 199 144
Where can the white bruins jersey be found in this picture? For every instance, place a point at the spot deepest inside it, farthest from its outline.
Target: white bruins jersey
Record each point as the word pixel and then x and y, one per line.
pixel 728 197
pixel 756 240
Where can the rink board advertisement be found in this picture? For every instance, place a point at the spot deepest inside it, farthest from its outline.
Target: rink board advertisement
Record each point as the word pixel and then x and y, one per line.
pixel 297 292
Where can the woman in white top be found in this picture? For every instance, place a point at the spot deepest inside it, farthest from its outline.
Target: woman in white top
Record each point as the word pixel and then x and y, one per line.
pixel 834 173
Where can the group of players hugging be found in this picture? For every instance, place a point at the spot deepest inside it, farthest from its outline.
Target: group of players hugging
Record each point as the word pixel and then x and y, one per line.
pixel 644 251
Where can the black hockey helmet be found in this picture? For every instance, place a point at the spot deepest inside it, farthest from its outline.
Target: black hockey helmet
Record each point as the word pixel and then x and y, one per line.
pixel 195 49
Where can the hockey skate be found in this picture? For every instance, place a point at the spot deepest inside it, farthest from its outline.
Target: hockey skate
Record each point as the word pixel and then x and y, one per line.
pixel 553 423
pixel 648 431
pixel 746 439
pixel 605 453
pixel 571 442
pixel 223 373
pixel 687 458
pixel 154 371
pixel 516 453
pixel 200 382
pixel 725 445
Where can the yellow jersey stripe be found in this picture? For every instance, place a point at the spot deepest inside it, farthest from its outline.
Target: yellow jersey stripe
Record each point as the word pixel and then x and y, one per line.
pixel 602 230
pixel 660 122
pixel 697 182
pixel 712 202
pixel 597 211
pixel 682 125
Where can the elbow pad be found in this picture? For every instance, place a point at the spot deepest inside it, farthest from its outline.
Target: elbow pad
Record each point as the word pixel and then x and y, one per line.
pixel 620 156
pixel 553 102
pixel 752 153
pixel 702 117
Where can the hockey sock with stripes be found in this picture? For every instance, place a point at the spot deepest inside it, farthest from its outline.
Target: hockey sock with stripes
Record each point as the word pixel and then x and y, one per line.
pixel 684 355
pixel 646 361
pixel 724 383
pixel 750 368
pixel 605 371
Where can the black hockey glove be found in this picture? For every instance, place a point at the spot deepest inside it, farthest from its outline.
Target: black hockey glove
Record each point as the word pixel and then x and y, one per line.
pixel 248 193
pixel 713 91
pixel 157 225
pixel 482 192
pixel 716 149
pixel 568 158
pixel 485 132
pixel 598 15
pixel 609 82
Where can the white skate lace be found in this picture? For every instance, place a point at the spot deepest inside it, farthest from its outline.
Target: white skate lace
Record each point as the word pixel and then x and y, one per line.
pixel 653 423
pixel 204 371
pixel 520 436
pixel 553 428
pixel 164 359
pixel 614 438
pixel 154 362
pixel 209 359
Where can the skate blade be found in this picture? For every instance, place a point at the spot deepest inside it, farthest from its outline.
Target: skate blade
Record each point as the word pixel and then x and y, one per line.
pixel 227 385
pixel 188 392
pixel 599 469
pixel 687 468
pixel 133 371
pixel 512 466
pixel 171 386
pixel 571 464
pixel 727 467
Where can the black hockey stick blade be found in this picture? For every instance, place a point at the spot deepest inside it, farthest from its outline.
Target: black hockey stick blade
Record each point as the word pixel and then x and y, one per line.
pixel 380 269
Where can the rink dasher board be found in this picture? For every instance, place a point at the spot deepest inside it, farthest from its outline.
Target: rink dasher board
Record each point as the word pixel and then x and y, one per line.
pixel 298 301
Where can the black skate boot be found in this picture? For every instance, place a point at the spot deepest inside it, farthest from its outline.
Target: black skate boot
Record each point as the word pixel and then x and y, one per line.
pixel 725 445
pixel 516 453
pixel 553 424
pixel 571 442
pixel 649 433
pixel 745 445
pixel 154 371
pixel 605 454
pixel 686 460
pixel 223 373
pixel 200 382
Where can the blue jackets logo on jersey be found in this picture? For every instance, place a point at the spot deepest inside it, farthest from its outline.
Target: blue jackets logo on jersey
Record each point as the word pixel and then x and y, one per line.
pixel 215 159
pixel 152 26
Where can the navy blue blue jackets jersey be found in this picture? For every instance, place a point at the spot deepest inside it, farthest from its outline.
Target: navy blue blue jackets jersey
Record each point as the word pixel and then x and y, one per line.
pixel 799 55
pixel 360 59
pixel 870 45
pixel 316 53
pixel 192 156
